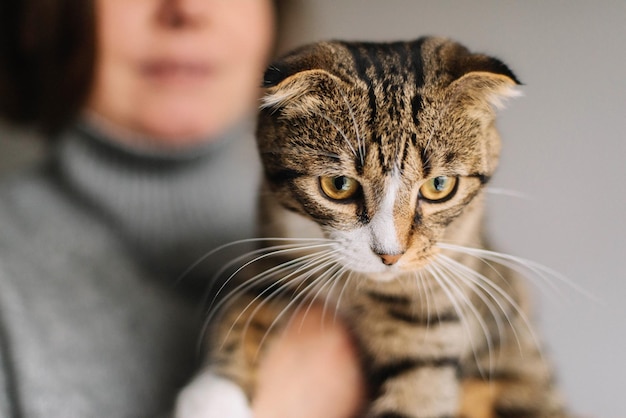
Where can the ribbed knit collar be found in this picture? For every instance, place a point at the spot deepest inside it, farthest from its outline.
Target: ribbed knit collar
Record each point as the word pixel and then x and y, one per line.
pixel 170 207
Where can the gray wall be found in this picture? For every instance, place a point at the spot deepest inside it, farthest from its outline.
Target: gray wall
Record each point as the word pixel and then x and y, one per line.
pixel 564 147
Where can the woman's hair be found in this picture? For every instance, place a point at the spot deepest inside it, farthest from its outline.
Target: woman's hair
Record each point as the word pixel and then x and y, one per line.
pixel 47 55
pixel 47 60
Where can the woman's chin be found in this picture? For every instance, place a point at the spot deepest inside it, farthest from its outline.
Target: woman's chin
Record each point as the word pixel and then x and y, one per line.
pixel 170 123
pixel 187 126
pixel 180 132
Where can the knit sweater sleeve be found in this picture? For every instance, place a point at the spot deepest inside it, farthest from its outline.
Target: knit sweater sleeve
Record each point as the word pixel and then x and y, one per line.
pixel 8 392
pixel 5 389
pixel 114 331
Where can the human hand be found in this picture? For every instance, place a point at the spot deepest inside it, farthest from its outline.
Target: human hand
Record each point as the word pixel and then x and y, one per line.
pixel 312 371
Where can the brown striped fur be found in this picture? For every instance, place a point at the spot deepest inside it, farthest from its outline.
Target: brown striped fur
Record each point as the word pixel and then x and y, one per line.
pixel 442 332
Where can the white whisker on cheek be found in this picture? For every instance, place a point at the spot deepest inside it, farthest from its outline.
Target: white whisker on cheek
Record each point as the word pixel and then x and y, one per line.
pixel 507 192
pixel 535 272
pixel 458 297
pixel 275 280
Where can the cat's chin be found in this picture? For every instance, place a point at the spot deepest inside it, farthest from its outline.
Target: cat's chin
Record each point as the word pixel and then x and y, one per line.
pixel 376 271
pixel 387 274
pixel 383 277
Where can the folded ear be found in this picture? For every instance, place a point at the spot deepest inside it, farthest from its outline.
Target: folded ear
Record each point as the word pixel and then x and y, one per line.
pixel 485 91
pixel 467 62
pixel 483 84
pixel 300 92
pixel 297 81
pixel 482 81
pixel 309 57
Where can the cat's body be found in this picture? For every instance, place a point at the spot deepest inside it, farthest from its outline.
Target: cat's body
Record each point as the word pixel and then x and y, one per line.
pixel 377 155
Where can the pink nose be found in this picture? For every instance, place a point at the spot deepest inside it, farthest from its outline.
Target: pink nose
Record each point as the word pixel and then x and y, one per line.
pixel 390 259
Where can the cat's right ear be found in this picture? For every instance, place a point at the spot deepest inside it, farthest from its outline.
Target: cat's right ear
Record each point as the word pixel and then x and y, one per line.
pixel 308 57
pixel 274 75
pixel 292 83
pixel 298 93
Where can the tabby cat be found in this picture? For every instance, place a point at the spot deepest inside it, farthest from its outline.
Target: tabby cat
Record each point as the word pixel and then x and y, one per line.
pixel 376 157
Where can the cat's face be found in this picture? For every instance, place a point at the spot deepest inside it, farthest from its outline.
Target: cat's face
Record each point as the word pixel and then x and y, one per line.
pixel 383 148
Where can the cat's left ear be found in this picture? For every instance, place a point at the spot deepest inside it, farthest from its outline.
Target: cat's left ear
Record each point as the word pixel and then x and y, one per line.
pixel 485 83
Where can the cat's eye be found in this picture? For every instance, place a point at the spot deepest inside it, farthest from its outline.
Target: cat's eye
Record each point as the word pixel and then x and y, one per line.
pixel 339 187
pixel 439 189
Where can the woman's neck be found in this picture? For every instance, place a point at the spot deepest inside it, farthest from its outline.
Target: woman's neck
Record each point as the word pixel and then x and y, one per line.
pixel 171 207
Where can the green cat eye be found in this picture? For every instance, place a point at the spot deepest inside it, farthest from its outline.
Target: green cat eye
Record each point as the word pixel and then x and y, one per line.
pixel 339 187
pixel 439 189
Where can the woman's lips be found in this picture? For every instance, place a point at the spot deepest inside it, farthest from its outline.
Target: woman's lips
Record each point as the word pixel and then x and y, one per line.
pixel 171 71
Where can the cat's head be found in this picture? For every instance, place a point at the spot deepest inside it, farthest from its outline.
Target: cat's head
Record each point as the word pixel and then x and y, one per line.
pixel 382 147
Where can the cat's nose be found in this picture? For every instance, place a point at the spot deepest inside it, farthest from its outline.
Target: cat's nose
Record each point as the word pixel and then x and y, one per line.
pixel 390 259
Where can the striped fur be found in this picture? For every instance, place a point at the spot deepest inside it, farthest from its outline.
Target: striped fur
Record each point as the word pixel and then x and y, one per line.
pixel 442 333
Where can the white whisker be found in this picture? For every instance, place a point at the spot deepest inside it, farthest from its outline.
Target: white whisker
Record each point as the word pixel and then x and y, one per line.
pixel 478 288
pixel 327 278
pixel 277 286
pixel 359 140
pixel 234 262
pixel 483 293
pixel 441 279
pixel 298 297
pixel 297 245
pixel 521 266
pixel 214 251
pixel 341 132
pixel 334 279
pixel 299 264
pixel 301 275
pixel 506 192
pixel 478 279
pixel 265 253
pixel 427 290
pixel 346 283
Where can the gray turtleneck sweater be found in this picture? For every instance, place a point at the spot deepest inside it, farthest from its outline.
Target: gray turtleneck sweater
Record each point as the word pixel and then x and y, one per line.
pixel 95 318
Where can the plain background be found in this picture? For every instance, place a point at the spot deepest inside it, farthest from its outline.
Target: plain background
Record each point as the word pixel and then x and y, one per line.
pixel 564 150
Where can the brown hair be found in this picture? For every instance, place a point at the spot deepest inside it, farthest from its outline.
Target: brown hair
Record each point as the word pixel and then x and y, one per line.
pixel 47 59
pixel 47 54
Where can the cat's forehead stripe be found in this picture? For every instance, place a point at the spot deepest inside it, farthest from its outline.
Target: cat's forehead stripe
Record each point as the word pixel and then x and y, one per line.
pixel 387 67
pixel 362 60
pixel 392 74
pixel 390 59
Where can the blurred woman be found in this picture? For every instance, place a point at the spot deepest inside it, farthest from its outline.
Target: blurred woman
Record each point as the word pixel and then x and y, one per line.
pixel 147 105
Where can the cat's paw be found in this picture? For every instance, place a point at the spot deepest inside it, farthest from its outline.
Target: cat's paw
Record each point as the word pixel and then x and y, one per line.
pixel 212 396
